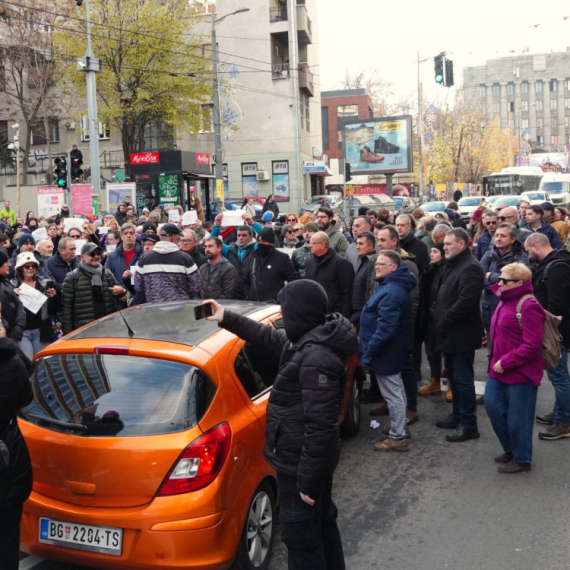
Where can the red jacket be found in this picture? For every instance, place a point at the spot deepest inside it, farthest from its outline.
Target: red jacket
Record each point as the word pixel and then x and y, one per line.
pixel 518 350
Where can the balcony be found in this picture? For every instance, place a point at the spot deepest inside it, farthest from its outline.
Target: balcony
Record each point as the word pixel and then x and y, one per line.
pixel 278 14
pixel 280 71
pixel 304 32
pixel 306 79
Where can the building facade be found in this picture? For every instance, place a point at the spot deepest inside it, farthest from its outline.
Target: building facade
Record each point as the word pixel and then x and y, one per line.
pixel 531 93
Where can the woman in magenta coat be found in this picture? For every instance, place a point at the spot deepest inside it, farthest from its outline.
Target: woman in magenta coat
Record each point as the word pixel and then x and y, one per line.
pixel 515 367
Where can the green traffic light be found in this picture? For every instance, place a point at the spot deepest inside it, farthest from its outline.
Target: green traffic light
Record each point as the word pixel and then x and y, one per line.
pixel 61 183
pixel 438 78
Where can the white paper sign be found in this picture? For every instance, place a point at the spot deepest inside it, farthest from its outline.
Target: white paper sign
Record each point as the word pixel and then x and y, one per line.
pixel 189 218
pixel 233 218
pixel 31 298
pixel 79 243
pixel 133 269
pixel 289 251
pixel 111 247
pixel 72 223
pixel 173 215
pixel 103 230
pixel 40 234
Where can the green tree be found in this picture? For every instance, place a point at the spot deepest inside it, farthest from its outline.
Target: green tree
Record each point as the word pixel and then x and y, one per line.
pixel 154 72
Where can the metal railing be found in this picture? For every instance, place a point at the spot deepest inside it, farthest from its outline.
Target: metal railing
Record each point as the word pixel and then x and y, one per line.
pixel 280 71
pixel 113 159
pixel 278 14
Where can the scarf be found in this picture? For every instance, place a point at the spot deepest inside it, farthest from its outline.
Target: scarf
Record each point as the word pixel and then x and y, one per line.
pixel 95 272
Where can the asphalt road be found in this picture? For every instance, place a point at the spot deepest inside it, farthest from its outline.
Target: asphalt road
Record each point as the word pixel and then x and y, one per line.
pixel 443 505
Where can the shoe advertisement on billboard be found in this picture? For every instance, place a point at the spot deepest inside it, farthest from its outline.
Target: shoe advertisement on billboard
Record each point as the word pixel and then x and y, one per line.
pixel 379 146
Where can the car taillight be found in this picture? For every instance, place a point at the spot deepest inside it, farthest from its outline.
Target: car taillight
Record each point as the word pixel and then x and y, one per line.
pixel 120 350
pixel 199 463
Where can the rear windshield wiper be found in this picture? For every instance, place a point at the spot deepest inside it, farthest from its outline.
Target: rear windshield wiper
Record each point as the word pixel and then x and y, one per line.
pixel 72 427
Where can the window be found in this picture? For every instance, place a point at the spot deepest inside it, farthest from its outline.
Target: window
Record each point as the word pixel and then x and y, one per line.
pixel 325 127
pixel 510 88
pixel 524 105
pixel 2 77
pixel 207 118
pixel 482 90
pixel 554 104
pixel 554 140
pixel 254 369
pixel 554 122
pixel 553 85
pixel 104 130
pixel 305 113
pixel 249 185
pixel 539 104
pixel 540 139
pixel 38 133
pixel 539 122
pixel 4 131
pixel 567 103
pixel 567 121
pixel 538 87
pixel 567 84
pixel 524 123
pixel 511 106
pixel 347 111
pixel 157 134
pixel 496 89
pixel 524 87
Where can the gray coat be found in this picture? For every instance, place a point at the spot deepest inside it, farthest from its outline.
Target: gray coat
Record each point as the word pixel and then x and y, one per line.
pixel 220 281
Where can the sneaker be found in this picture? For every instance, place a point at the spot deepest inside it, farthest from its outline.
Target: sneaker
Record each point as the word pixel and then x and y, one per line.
pixel 462 434
pixel 448 422
pixel 557 431
pixel 381 410
pixel 412 417
pixel 547 419
pixel 507 457
pixel 390 444
pixel 386 431
pixel 514 467
pixel 432 388
pixel 383 146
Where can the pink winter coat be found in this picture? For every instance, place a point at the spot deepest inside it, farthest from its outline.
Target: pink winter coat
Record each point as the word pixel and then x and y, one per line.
pixel 518 350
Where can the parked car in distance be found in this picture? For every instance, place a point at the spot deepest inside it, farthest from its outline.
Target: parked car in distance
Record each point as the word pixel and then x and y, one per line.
pixel 511 200
pixel 146 434
pixel 353 203
pixel 433 207
pixel 404 204
pixel 536 197
pixel 468 204
pixel 317 201
pixel 558 187
pixel 231 205
pixel 383 201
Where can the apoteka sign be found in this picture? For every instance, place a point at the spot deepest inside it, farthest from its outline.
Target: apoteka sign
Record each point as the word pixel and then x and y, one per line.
pixel 144 158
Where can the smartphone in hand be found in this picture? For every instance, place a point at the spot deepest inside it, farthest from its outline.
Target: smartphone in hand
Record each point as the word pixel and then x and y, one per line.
pixel 202 311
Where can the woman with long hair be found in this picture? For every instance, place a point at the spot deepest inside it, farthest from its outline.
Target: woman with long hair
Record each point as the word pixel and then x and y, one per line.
pixel 29 216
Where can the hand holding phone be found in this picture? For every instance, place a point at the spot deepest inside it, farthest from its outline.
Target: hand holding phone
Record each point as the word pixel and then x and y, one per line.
pixel 202 311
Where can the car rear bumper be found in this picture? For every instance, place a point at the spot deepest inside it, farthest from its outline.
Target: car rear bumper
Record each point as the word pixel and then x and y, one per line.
pixel 150 541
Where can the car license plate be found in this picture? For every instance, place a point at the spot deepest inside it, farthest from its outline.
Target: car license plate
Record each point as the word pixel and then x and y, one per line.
pixel 108 540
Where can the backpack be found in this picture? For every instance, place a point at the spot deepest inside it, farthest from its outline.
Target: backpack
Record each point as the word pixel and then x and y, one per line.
pixel 551 336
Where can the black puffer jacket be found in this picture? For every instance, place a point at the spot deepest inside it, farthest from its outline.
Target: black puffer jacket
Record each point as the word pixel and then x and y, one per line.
pixel 13 312
pixel 15 393
pixel 77 299
pixel 302 429
pixel 418 249
pixel 300 258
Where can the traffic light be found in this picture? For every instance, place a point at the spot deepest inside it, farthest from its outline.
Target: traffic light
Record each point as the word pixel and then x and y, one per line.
pixel 448 73
pixel 60 172
pixel 347 172
pixel 438 68
pixel 76 171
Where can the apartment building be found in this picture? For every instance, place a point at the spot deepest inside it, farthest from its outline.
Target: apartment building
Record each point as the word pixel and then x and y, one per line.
pixel 530 91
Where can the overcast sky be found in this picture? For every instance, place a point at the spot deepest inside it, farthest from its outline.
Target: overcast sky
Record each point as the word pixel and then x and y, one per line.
pixel 386 36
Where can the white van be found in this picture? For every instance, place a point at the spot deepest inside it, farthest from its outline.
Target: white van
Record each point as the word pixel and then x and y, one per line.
pixel 558 186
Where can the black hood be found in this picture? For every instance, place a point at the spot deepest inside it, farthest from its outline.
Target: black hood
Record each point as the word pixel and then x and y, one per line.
pixel 304 307
pixel 8 349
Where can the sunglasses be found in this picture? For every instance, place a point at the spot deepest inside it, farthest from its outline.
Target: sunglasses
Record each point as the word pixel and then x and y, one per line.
pixel 505 280
pixel 75 236
pixel 30 266
pixel 491 223
pixel 94 254
pixel 291 219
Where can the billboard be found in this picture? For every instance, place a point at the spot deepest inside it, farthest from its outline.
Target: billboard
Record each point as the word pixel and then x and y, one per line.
pixel 50 201
pixel 550 161
pixel 379 146
pixel 81 199
pixel 117 192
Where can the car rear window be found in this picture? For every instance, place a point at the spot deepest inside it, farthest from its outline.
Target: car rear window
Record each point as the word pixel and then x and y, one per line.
pixel 103 395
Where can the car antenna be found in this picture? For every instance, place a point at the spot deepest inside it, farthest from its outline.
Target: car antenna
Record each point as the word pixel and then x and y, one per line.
pixel 131 331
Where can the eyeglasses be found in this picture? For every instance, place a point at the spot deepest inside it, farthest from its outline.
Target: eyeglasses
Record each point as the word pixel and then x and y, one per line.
pixel 30 266
pixel 75 236
pixel 94 254
pixel 383 264
pixel 186 241
pixel 491 223
pixel 506 280
pixel 291 231
pixel 291 220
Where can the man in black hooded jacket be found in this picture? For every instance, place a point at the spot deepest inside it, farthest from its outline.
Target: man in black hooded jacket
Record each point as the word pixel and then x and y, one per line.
pixel 302 428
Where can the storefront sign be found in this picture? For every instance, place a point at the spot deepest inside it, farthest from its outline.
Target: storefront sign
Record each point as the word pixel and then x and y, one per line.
pixel 315 166
pixel 202 158
pixel 144 158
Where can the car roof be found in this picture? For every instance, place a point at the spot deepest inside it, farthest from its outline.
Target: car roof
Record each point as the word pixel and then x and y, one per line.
pixel 167 322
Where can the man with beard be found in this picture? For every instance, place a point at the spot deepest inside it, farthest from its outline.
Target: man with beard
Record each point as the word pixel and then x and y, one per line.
pixel 266 271
pixel 301 434
pixel 219 277
pixel 326 223
pixel 88 292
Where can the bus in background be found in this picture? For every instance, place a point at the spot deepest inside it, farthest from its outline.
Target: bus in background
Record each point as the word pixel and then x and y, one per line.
pixel 558 186
pixel 512 180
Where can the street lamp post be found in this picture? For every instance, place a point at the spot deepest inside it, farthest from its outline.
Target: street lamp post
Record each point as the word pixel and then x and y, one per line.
pixel 91 66
pixel 217 117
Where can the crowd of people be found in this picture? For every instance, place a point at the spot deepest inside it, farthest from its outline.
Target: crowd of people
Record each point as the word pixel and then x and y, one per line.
pixel 401 283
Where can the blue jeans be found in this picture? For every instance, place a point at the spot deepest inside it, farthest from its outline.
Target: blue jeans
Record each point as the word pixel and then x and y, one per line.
pixel 511 409
pixel 561 383
pixel 30 343
pixel 461 376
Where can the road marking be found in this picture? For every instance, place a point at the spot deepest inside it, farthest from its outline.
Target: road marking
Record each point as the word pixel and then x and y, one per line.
pixel 30 562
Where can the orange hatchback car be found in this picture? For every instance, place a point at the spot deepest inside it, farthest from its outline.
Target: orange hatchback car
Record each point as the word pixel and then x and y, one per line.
pixel 146 435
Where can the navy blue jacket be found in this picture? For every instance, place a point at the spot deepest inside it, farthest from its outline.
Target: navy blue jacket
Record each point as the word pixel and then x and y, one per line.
pixel 483 245
pixel 58 268
pixel 552 235
pixel 385 323
pixel 117 262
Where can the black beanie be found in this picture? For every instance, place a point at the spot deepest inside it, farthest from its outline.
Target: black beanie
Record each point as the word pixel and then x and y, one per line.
pixel 149 226
pixel 267 235
pixel 439 245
